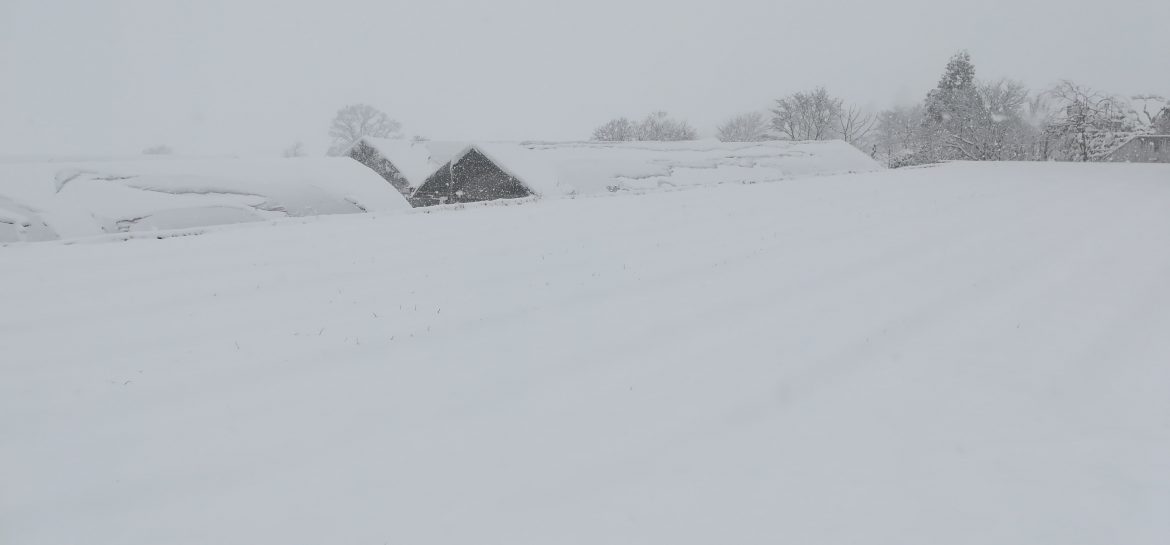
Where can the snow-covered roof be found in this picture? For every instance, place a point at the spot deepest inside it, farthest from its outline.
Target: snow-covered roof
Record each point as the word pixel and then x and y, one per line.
pixel 577 168
pixel 46 200
pixel 416 161
pixel 574 168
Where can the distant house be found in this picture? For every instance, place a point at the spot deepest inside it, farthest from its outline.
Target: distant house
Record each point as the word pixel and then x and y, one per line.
pixel 1151 148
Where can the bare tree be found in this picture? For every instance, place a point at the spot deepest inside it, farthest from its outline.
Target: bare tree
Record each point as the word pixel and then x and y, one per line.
pixel 295 150
pixel 617 130
pixel 1038 113
pixel 746 127
pixel 1149 113
pixel 357 120
pixel 899 135
pixel 658 126
pixel 807 116
pixel 1001 131
pixel 1004 97
pixel 1089 124
pixel 853 124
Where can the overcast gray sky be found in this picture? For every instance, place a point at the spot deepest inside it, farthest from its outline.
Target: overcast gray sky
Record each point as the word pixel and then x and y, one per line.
pixel 252 76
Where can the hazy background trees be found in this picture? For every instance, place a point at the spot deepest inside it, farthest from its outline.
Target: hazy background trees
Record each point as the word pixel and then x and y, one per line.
pixel 807 116
pixel 962 118
pixel 295 150
pixel 657 126
pixel 1002 131
pixel 745 127
pixel 854 125
pixel 616 130
pixel 357 120
pixel 898 135
pixel 818 115
pixel 161 149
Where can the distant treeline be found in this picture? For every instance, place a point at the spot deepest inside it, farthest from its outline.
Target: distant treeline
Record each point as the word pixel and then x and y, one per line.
pixel 962 118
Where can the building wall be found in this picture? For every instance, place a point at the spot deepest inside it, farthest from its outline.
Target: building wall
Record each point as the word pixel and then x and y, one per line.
pixel 1143 149
pixel 473 178
pixel 477 178
pixel 435 190
pixel 367 155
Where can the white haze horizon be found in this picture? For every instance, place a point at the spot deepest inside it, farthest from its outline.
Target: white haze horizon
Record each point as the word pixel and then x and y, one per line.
pixel 250 77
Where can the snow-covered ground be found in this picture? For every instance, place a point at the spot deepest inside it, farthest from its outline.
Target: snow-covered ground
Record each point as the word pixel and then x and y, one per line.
pixel 965 354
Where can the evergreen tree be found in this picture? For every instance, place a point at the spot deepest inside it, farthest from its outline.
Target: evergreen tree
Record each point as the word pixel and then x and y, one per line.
pixel 953 111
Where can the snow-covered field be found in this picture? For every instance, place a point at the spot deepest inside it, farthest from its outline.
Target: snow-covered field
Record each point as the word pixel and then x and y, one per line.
pixel 965 354
pixel 48 200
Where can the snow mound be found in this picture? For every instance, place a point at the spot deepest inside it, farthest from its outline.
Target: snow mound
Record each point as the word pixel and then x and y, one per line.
pixel 43 201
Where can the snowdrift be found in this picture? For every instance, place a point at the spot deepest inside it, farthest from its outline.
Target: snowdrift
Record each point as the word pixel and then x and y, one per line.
pixel 44 201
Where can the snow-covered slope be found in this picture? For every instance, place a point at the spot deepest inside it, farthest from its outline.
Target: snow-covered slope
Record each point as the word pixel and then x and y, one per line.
pixel 47 200
pixel 966 354
pixel 583 168
pixel 415 160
